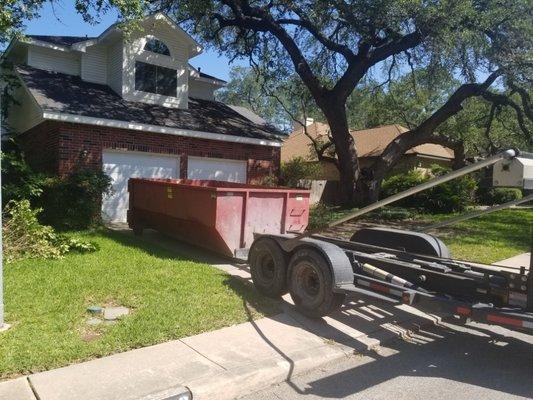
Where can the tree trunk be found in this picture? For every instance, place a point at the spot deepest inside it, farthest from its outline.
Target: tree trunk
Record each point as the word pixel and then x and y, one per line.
pixel 348 163
pixel 368 190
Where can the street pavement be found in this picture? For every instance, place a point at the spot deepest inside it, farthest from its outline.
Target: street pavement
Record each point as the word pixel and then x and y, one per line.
pixel 438 363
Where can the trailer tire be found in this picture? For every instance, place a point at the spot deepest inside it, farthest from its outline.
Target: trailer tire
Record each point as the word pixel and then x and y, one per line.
pixel 311 284
pixel 268 267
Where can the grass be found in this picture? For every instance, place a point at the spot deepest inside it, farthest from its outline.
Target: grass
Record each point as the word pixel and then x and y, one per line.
pixel 170 297
pixel 489 238
pixel 485 239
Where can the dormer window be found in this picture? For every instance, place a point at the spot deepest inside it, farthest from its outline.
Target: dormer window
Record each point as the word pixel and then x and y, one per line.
pixel 156 79
pixel 157 46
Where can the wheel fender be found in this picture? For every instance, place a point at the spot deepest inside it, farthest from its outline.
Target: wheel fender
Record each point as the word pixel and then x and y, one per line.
pixel 339 263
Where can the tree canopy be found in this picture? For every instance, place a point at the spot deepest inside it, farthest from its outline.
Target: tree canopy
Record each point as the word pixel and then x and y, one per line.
pixel 482 48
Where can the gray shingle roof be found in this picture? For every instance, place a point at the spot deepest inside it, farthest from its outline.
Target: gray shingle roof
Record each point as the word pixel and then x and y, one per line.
pixel 60 40
pixel 68 94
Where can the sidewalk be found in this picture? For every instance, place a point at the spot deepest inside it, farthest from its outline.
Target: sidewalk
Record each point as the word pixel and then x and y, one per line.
pixel 521 260
pixel 229 362
pixel 222 364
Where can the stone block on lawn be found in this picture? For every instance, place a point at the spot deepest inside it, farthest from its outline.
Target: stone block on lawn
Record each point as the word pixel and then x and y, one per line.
pixel 114 313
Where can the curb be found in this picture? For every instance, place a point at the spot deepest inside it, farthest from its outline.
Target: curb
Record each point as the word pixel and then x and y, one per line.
pixel 233 385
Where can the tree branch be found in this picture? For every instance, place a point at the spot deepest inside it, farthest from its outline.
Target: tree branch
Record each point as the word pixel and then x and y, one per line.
pixel 500 99
pixel 425 131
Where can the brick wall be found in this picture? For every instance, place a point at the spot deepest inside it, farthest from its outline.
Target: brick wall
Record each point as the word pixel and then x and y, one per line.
pixel 60 147
pixel 41 146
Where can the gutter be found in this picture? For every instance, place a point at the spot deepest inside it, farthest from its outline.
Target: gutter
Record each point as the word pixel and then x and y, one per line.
pixel 113 123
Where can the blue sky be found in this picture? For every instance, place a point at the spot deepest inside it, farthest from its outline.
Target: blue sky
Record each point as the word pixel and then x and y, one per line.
pixel 63 20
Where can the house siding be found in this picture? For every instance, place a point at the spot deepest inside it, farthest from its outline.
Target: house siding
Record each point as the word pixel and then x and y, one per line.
pixel 25 113
pixel 54 60
pixel 114 67
pixel 94 65
pixel 201 90
pixel 76 145
pixel 179 54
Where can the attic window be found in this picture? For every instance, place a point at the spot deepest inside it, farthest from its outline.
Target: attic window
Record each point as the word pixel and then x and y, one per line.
pixel 157 46
pixel 155 79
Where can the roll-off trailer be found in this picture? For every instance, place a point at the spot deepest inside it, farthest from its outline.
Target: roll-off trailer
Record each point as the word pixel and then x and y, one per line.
pixel 400 266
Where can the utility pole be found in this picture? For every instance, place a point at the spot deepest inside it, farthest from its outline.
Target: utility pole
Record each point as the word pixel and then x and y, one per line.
pixel 2 324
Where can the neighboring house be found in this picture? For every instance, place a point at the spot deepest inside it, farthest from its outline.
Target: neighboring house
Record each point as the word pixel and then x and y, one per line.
pixel 134 107
pixel 369 143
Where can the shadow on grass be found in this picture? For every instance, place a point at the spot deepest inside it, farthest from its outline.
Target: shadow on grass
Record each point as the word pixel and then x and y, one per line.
pixel 172 249
pixel 160 246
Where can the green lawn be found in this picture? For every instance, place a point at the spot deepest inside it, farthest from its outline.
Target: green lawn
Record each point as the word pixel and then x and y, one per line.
pixel 170 297
pixel 484 239
pixel 490 238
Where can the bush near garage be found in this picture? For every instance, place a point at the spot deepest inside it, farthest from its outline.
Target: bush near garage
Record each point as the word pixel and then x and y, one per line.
pixel 74 201
pixel 451 196
pixel 19 181
pixel 71 202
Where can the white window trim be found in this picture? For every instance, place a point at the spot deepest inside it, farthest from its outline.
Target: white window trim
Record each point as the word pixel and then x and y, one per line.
pixel 113 123
pixel 155 98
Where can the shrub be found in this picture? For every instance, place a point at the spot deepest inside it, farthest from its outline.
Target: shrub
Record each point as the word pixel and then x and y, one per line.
pixel 492 196
pixel 297 169
pixel 399 183
pixel 25 237
pixel 269 180
pixel 455 195
pixel 19 181
pixel 319 216
pixel 73 202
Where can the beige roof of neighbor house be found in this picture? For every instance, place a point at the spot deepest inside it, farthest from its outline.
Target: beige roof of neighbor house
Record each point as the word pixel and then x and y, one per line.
pixel 369 142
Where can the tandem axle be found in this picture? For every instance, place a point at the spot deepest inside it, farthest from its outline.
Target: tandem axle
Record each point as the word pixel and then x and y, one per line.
pixel 399 266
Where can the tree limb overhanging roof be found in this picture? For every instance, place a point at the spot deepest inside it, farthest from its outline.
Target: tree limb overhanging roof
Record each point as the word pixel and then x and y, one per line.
pixel 368 142
pixel 69 94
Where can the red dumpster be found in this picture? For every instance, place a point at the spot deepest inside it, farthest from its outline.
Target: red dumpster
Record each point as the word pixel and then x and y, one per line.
pixel 220 216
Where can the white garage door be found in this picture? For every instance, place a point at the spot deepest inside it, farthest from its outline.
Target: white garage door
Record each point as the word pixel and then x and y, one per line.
pixel 124 165
pixel 217 169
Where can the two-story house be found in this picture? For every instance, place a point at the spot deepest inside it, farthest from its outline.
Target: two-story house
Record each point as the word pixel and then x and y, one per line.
pixel 133 106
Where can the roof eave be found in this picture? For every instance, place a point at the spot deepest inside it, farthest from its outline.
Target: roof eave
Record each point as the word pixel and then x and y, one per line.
pixel 80 119
pixel 215 82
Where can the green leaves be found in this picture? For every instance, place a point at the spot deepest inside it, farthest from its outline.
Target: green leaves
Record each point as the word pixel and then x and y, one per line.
pixel 25 237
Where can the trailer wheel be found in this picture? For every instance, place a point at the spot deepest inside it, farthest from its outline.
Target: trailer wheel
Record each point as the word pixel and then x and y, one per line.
pixel 268 267
pixel 311 284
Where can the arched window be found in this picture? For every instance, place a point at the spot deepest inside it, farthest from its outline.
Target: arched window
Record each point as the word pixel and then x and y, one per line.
pixel 156 46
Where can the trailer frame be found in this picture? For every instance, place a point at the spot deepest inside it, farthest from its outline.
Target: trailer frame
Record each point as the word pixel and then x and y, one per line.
pixel 320 271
